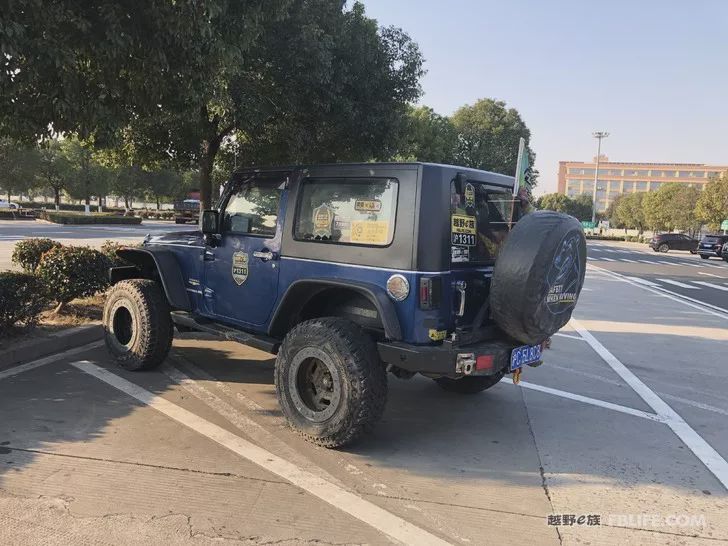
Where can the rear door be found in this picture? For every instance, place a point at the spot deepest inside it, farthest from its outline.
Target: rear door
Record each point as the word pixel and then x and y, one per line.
pixel 241 271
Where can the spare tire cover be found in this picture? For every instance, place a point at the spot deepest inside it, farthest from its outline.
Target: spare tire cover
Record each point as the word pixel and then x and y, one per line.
pixel 538 276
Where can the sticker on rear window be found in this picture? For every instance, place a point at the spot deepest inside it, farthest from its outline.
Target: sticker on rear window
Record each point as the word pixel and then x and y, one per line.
pixel 373 232
pixel 367 205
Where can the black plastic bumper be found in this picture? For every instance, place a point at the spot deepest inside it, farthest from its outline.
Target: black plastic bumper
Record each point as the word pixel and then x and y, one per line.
pixel 443 359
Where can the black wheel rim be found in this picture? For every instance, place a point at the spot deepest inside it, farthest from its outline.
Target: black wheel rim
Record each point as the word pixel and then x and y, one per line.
pixel 122 324
pixel 314 384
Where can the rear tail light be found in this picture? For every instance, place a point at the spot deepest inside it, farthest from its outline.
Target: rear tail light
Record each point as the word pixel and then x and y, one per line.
pixel 484 362
pixel 430 291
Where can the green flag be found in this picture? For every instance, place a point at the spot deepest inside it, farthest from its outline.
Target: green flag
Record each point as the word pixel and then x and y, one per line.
pixel 523 170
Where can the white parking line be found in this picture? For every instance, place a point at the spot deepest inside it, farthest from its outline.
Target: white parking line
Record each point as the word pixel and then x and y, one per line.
pixel 711 285
pixel 702 449
pixel 646 262
pixel 588 400
pixel 568 335
pixel 363 510
pixel 609 259
pixel 628 260
pixel 642 281
pixel 710 275
pixel 708 308
pixel 666 262
pixel 680 284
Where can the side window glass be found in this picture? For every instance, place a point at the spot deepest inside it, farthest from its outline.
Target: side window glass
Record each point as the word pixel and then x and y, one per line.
pixel 253 210
pixel 347 211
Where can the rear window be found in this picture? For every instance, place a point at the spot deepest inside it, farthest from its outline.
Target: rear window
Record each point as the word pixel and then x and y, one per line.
pixel 480 219
pixel 347 211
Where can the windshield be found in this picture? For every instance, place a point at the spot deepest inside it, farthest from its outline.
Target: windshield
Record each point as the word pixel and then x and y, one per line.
pixel 480 219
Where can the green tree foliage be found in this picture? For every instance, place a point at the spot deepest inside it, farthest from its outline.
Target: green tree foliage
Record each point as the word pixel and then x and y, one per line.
pixel 671 207
pixel 488 136
pixel 28 252
pixel 579 207
pixel 712 205
pixel 17 166
pixel 427 136
pixel 629 211
pixel 161 184
pixel 54 169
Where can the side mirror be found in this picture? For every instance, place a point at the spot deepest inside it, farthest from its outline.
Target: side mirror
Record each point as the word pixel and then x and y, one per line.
pixel 210 222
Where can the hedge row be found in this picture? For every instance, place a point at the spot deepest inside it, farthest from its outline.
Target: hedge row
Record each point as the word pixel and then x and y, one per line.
pixel 6 214
pixel 53 274
pixel 627 238
pixel 64 206
pixel 95 218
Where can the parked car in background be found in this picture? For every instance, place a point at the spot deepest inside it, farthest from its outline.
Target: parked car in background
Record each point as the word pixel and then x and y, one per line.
pixel 188 210
pixel 665 242
pixel 9 205
pixel 724 252
pixel 712 245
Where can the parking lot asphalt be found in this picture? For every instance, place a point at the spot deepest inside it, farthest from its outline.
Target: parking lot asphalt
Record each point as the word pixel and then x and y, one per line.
pixel 623 428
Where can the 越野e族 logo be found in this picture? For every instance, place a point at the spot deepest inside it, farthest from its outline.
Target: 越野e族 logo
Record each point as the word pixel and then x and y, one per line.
pixel 240 267
pixel 564 276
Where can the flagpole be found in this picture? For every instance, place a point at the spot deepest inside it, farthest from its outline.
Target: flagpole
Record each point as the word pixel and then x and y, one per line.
pixel 517 182
pixel 517 179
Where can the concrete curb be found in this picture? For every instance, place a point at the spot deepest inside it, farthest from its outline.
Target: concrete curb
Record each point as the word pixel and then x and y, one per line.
pixel 56 342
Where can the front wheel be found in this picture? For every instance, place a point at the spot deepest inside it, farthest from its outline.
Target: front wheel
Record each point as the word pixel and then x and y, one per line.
pixel 469 385
pixel 704 256
pixel 137 324
pixel 331 385
pixel 663 247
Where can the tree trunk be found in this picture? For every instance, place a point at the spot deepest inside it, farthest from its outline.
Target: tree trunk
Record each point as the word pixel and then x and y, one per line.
pixel 57 197
pixel 126 203
pixel 59 308
pixel 159 205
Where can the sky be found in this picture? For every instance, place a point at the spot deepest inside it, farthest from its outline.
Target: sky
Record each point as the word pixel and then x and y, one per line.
pixel 654 74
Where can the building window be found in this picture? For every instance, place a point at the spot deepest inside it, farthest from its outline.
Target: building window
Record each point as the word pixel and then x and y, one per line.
pixel 642 186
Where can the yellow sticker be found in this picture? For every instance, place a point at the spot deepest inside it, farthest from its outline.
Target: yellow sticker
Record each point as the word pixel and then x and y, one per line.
pixel 437 335
pixel 371 232
pixel 367 205
pixel 464 224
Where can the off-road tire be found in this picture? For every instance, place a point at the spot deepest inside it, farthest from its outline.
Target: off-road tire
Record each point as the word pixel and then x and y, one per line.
pixel 468 385
pixel 704 256
pixel 360 377
pixel 137 324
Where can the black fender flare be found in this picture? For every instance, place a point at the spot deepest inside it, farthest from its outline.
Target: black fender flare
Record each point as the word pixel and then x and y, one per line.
pixel 158 264
pixel 301 291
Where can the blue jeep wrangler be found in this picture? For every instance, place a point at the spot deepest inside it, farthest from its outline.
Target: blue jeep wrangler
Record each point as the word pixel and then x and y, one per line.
pixel 348 272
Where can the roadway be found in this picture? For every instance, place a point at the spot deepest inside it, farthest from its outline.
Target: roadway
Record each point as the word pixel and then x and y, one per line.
pixel 675 272
pixel 12 231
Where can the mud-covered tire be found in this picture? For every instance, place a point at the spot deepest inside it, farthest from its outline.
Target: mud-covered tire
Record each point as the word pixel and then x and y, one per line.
pixel 357 377
pixel 137 324
pixel 468 385
pixel 538 276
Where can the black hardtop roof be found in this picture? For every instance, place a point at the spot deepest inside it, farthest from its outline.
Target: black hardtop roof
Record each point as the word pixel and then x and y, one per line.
pixel 473 174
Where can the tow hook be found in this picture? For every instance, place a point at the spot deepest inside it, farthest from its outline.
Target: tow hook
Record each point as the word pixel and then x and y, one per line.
pixel 465 363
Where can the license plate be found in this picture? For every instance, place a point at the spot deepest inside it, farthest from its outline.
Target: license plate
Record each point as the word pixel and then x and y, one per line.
pixel 527 354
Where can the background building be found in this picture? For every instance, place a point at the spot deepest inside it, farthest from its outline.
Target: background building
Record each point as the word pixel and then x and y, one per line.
pixel 577 177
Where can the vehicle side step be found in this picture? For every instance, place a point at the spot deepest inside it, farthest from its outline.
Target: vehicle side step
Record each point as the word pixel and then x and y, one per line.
pixel 258 341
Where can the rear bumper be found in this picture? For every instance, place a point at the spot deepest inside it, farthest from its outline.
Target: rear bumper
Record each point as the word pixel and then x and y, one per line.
pixel 448 359
pixel 710 252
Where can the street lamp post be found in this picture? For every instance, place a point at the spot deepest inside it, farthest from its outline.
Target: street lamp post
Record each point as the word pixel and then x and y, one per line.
pixel 599 135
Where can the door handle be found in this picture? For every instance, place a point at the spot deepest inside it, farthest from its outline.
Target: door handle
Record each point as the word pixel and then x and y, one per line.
pixel 208 256
pixel 264 255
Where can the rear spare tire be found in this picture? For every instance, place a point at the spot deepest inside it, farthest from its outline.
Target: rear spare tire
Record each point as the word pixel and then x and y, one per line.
pixel 538 276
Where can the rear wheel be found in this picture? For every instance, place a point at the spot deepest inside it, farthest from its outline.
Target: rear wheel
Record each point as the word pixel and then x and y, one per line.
pixel 469 385
pixel 137 324
pixel 331 385
pixel 664 247
pixel 704 256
